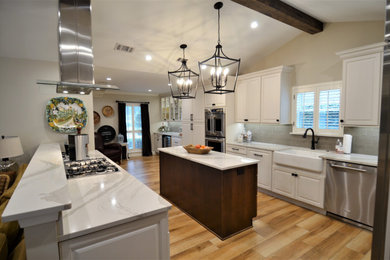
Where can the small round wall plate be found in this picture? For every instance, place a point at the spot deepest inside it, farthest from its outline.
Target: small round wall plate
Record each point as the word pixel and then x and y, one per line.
pixel 96 117
pixel 107 111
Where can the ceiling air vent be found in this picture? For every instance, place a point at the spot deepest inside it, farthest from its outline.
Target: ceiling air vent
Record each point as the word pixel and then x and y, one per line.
pixel 121 47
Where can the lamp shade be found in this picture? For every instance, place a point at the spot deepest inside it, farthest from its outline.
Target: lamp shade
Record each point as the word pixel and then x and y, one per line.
pixel 10 146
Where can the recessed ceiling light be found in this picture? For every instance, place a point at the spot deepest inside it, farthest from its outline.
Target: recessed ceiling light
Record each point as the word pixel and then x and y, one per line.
pixel 254 25
pixel 149 90
pixel 108 78
pixel 148 57
pixel 65 92
pixel 82 92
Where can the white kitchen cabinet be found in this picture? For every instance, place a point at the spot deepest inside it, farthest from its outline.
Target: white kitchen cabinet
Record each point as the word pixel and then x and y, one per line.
pixel 264 96
pixel 300 185
pixel 193 109
pixel 264 167
pixel 283 183
pixel 193 133
pixel 143 239
pixel 171 109
pixel 362 84
pixel 247 103
pixel 176 141
pixel 275 95
pixel 215 100
pixel 236 150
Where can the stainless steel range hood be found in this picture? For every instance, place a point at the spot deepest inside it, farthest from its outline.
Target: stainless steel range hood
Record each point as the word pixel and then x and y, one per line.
pixel 75 49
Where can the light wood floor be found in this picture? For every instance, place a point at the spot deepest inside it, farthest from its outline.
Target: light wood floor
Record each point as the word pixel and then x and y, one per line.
pixel 280 230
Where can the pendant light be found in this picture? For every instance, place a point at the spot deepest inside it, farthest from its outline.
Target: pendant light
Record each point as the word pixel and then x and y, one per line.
pixel 215 70
pixel 183 82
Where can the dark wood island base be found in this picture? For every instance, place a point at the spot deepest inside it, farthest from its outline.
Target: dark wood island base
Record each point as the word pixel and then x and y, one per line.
pixel 222 201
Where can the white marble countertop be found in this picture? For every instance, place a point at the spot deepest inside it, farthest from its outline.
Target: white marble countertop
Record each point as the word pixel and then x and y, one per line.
pixel 43 189
pixel 169 133
pixel 217 160
pixel 364 159
pixel 103 201
pixel 259 145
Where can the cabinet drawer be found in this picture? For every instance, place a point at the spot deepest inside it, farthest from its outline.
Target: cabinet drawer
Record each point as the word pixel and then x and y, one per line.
pixel 236 149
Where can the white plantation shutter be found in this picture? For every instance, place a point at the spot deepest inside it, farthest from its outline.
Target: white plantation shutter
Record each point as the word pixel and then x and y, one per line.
pixel 329 109
pixel 305 109
pixel 318 106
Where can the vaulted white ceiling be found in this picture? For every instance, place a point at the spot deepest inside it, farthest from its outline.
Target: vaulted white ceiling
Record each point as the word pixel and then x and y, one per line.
pixel 28 29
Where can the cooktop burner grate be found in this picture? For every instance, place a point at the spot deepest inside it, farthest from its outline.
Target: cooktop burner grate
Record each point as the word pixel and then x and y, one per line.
pixel 88 167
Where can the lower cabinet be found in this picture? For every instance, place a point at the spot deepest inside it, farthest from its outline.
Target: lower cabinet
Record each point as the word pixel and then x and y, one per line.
pixel 300 185
pixel 264 167
pixel 142 239
pixel 176 141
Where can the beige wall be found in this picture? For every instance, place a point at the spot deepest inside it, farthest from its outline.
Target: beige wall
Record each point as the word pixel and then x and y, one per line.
pixel 314 56
pixel 103 99
pixel 23 104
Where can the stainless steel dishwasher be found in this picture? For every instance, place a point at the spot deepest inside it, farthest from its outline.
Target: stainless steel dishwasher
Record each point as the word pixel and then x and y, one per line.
pixel 350 192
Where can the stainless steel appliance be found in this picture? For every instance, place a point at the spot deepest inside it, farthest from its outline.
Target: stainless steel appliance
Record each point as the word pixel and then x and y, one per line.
pixel 350 192
pixel 215 129
pixel 217 143
pixel 89 167
pixel 166 141
pixel 78 147
pixel 215 122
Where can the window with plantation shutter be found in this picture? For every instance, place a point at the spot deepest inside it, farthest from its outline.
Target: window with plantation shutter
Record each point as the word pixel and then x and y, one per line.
pixel 317 106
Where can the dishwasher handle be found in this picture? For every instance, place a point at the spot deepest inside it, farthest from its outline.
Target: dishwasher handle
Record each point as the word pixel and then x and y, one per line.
pixel 347 168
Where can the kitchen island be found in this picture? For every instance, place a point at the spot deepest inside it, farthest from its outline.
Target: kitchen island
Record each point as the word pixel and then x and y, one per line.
pixel 218 190
pixel 107 216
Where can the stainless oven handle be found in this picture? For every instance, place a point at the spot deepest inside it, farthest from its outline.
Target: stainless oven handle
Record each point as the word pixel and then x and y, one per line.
pixel 347 168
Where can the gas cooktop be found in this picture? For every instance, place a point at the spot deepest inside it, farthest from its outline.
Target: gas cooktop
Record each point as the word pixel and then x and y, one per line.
pixel 89 167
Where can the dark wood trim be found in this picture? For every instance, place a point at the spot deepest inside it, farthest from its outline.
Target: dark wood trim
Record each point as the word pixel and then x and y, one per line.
pixel 285 13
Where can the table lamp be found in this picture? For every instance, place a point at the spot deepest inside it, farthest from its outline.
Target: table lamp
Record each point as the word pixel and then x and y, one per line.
pixel 10 146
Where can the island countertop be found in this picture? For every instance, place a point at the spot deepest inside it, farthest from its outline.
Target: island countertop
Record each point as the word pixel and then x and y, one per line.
pixel 217 160
pixel 103 201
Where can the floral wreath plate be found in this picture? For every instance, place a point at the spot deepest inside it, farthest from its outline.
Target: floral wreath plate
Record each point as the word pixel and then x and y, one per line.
pixel 65 114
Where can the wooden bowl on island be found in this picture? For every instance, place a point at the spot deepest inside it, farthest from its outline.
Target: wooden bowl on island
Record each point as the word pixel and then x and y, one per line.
pixel 202 150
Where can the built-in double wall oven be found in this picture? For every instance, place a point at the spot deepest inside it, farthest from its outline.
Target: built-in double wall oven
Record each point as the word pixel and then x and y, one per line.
pixel 215 129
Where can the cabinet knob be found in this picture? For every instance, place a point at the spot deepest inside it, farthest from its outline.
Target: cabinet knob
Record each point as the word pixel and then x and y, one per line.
pixel 277 120
pixel 246 120
pixel 341 120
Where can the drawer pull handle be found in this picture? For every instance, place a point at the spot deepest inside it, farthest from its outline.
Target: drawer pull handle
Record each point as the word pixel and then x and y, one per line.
pixel 294 174
pixel 258 155
pixel 246 120
pixel 347 168
pixel 235 149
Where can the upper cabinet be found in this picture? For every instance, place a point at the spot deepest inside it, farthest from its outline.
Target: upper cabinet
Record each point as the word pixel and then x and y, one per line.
pixel 264 96
pixel 362 84
pixel 171 109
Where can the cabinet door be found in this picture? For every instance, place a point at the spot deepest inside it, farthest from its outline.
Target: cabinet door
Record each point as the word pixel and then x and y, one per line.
pixel 186 109
pixel 248 100
pixel 362 89
pixel 198 106
pixel 198 133
pixel 283 183
pixel 240 105
pixel 212 100
pixel 186 133
pixel 310 190
pixel 264 167
pixel 270 98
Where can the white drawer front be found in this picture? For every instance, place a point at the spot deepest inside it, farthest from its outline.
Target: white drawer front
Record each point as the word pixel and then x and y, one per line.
pixel 236 149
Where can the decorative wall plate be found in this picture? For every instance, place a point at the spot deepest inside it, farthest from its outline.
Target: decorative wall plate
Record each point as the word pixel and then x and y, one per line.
pixel 108 133
pixel 96 118
pixel 65 114
pixel 107 111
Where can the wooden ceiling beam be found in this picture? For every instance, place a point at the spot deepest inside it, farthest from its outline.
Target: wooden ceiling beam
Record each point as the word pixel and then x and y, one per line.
pixel 284 13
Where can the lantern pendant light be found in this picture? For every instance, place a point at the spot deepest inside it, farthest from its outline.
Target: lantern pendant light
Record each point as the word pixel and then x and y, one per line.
pixel 215 70
pixel 183 82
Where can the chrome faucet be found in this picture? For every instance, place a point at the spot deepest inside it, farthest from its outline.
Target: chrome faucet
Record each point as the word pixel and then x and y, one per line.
pixel 313 142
